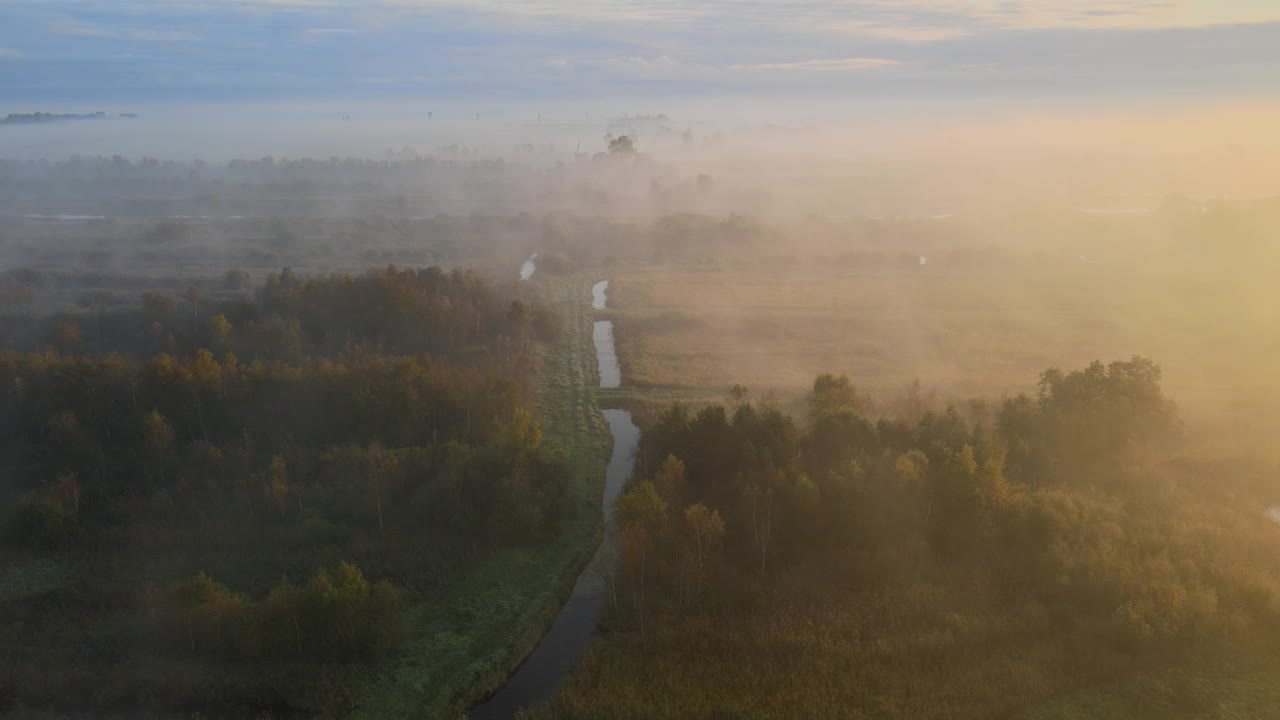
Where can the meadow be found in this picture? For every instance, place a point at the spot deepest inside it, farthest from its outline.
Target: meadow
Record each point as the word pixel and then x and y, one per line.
pixel 691 332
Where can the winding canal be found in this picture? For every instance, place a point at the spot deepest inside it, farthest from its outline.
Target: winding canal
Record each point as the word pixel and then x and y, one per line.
pixel 560 649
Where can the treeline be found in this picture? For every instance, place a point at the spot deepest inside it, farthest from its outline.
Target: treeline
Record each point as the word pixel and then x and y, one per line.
pixel 100 432
pixel 293 317
pixel 1053 531
pixel 986 501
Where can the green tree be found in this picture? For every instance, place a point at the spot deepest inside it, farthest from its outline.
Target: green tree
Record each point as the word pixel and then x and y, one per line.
pixel 622 145
pixel 833 395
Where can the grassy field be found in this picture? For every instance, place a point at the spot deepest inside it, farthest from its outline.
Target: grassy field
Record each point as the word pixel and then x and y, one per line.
pixel 692 332
pixel 865 660
pixel 462 647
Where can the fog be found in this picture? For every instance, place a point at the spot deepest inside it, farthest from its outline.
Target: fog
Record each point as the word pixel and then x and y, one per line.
pixel 290 286
pixel 1162 216
pixel 909 159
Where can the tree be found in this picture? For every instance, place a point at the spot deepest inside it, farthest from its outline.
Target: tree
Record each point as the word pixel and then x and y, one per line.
pixel 833 395
pixel 520 319
pixel 761 499
pixel 96 301
pixel 707 529
pixel 641 512
pixel 379 467
pixel 670 480
pixel 276 485
pixel 1098 416
pixel 159 436
pixel 281 609
pixel 219 329
pixel 622 145
pixel 203 602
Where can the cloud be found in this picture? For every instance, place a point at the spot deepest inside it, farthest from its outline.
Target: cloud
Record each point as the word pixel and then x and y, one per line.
pixel 666 69
pixel 838 65
pixel 67 25
pixel 316 35
pixel 899 19
pixel 7 54
pixel 916 48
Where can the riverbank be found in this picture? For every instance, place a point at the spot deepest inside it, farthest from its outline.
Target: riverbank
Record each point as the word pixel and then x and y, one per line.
pixel 463 646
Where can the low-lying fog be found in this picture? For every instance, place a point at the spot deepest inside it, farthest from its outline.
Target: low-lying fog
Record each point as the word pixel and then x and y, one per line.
pixel 1150 231
pixel 919 160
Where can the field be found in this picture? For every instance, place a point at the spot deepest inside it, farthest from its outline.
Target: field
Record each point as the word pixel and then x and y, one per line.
pixel 692 332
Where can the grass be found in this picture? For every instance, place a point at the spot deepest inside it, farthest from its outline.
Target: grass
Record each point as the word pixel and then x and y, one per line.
pixel 903 654
pixel 694 331
pixel 461 647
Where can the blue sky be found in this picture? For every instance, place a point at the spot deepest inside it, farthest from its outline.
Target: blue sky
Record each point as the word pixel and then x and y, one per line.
pixel 184 50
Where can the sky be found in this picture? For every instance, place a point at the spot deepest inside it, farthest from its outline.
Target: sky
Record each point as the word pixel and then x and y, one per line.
pixel 70 52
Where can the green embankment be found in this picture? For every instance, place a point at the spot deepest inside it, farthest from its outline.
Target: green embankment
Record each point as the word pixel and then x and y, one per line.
pixel 462 646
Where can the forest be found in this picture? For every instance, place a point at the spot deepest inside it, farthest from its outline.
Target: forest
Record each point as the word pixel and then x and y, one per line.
pixel 238 500
pixel 978 561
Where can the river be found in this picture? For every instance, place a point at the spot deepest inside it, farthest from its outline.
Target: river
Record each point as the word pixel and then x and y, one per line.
pixel 559 651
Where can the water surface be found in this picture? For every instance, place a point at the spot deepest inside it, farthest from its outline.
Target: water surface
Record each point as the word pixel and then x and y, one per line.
pixel 598 298
pixel 606 355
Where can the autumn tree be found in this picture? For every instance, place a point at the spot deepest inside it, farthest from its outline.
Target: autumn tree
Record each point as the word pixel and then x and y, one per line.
pixel 670 480
pixel 159 436
pixel 706 528
pixel 276 483
pixel 640 513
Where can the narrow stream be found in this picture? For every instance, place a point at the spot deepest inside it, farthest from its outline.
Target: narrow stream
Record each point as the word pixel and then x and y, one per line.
pixel 528 268
pixel 606 354
pixel 559 651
